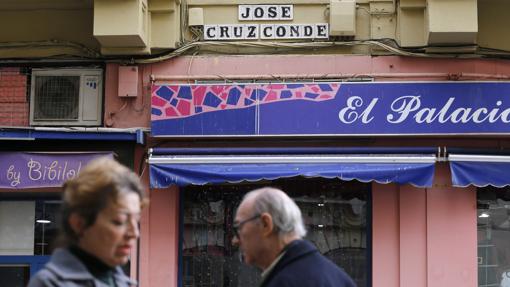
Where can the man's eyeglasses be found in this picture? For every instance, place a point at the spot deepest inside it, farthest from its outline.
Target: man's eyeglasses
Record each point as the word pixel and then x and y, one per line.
pixel 237 226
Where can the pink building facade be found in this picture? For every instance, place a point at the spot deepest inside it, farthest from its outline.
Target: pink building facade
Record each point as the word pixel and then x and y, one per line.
pixel 417 236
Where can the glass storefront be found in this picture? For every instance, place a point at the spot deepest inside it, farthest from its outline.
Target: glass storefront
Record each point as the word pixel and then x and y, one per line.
pixel 47 223
pixel 28 229
pixel 335 214
pixel 29 232
pixel 493 210
pixel 14 275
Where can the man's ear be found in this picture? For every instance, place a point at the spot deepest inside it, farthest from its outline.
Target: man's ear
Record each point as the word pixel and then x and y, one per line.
pixel 77 223
pixel 267 224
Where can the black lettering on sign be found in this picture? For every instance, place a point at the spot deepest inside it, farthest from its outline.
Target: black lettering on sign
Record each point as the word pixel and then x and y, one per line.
pixel 322 31
pixel 210 32
pixel 280 31
pixel 267 31
pixel 265 12
pixel 271 12
pixel 244 12
pixel 308 31
pixel 252 32
pixel 258 13
pixel 237 31
pixel 286 12
pixel 224 32
pixel 294 31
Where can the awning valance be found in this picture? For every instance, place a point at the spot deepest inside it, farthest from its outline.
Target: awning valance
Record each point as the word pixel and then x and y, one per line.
pixel 181 170
pixel 479 170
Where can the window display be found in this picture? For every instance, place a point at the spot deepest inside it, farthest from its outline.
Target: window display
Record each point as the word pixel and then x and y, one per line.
pixel 47 223
pixel 14 275
pixel 334 211
pixel 493 237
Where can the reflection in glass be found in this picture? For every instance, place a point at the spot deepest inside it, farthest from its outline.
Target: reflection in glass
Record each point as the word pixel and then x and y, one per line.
pixel 493 212
pixel 335 214
pixel 47 222
pixel 14 275
pixel 337 226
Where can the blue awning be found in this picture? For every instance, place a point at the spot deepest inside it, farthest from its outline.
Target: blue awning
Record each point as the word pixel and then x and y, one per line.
pixel 72 133
pixel 479 170
pixel 182 170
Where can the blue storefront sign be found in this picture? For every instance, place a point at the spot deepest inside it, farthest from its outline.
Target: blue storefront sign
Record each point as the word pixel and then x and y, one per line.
pixel 405 108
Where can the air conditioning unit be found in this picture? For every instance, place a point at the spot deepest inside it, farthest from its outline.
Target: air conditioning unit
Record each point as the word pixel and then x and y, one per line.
pixel 66 97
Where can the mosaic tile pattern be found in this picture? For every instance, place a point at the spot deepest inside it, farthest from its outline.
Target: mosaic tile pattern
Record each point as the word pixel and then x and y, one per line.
pixel 179 101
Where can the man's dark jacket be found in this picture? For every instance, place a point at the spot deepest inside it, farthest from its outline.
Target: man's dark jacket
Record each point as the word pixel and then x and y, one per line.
pixel 303 265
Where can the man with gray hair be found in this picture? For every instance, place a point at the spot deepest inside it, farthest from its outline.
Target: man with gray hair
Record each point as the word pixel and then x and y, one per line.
pixel 268 229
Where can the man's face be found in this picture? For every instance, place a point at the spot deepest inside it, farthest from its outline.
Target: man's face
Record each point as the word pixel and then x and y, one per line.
pixel 249 234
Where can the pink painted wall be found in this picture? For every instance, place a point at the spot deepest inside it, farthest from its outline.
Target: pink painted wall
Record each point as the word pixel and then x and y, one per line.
pixel 424 237
pixel 122 112
pixel 139 169
pixel 385 236
pixel 421 237
pixel 413 236
pixel 159 239
pixel 323 64
pixel 451 233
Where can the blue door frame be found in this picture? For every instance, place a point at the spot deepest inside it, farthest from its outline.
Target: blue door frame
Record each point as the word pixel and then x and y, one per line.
pixel 35 262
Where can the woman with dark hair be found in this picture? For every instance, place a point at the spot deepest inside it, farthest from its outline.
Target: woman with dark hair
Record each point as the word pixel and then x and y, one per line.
pixel 101 211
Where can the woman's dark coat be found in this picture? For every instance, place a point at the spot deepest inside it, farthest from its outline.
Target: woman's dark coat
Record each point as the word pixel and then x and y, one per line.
pixel 65 269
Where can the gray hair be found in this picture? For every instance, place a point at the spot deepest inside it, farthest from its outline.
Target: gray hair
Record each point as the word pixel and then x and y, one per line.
pixel 286 214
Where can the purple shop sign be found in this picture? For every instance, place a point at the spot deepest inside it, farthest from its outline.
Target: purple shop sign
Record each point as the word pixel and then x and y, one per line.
pixel 334 108
pixel 34 170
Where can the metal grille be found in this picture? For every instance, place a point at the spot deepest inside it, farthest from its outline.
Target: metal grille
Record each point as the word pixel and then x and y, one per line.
pixel 334 211
pixel 56 97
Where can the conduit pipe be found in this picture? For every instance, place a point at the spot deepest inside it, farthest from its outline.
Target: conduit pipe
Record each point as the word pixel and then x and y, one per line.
pixel 400 76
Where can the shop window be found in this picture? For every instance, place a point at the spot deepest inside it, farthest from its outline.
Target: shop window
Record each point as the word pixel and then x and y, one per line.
pixel 17 228
pixel 46 226
pixel 29 229
pixel 334 211
pixel 493 236
pixel 14 275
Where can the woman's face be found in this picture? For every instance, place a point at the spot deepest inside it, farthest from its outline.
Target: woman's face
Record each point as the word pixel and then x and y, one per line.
pixel 114 233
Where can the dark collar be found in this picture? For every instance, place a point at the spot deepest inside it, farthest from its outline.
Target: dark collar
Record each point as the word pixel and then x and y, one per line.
pixel 95 266
pixel 68 266
pixel 293 251
pixel 297 249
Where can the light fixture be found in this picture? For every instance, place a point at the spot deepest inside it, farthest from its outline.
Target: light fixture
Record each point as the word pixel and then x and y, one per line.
pixel 43 221
pixel 484 215
pixel 320 225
